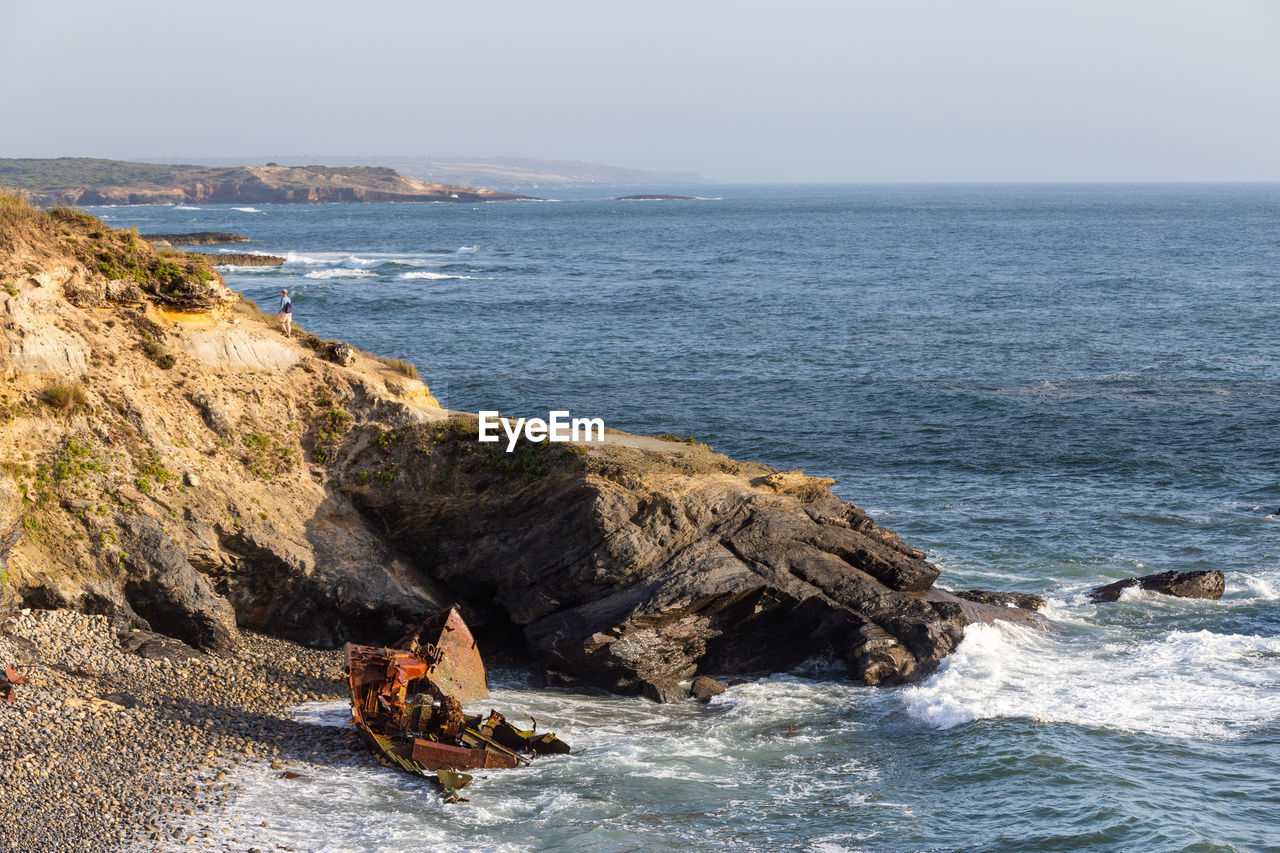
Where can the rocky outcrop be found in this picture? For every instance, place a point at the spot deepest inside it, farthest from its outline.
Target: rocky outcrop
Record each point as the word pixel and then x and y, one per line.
pixel 166 590
pixel 196 238
pixel 633 566
pixel 1204 584
pixel 212 476
pixel 241 260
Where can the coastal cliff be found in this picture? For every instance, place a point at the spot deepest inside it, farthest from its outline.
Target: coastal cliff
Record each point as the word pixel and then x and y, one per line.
pixel 172 460
pixel 87 181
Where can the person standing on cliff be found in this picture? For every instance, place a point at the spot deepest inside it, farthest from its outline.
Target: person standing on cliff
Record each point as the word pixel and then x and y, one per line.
pixel 286 314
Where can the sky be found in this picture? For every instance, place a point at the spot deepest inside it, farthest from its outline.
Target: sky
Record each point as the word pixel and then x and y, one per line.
pixel 741 91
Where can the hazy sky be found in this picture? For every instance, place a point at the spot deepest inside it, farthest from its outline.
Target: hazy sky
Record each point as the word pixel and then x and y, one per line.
pixel 896 90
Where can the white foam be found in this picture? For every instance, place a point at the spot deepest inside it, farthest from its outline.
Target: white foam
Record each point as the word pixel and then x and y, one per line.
pixel 232 268
pixel 468 250
pixel 1252 586
pixel 340 272
pixel 247 209
pixel 335 714
pixel 1192 684
pixel 429 276
pixel 186 207
pixel 729 753
pixel 332 259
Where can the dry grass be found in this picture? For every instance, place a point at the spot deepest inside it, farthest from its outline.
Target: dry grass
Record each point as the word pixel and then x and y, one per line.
pixel 250 308
pixel 19 219
pixel 65 397
pixel 399 365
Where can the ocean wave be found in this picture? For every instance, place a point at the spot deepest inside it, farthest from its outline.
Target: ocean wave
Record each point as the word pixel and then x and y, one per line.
pixel 1252 586
pixel 339 272
pixel 247 209
pixel 1189 684
pixel 333 261
pixel 186 207
pixel 430 276
pixel 468 250
pixel 233 268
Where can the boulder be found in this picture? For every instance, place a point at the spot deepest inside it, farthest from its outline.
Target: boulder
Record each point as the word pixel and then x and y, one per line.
pixel 123 290
pixel 1203 584
pixel 85 292
pixel 704 688
pixel 212 414
pixel 665 692
pixel 338 352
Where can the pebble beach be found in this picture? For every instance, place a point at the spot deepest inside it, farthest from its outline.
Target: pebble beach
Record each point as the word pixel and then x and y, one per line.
pixel 104 749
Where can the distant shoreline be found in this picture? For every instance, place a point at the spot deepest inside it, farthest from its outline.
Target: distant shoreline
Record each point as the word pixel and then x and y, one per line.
pixel 80 181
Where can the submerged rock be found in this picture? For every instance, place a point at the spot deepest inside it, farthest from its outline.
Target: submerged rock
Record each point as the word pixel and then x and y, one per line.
pixel 196 238
pixel 1204 584
pixel 1024 600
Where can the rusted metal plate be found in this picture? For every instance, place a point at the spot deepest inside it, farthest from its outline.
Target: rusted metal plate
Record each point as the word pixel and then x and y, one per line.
pixel 433 756
pixel 446 642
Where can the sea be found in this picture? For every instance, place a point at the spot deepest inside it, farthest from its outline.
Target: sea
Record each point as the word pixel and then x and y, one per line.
pixel 1046 387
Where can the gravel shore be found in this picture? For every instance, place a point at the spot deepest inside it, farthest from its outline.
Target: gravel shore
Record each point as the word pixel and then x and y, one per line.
pixel 107 748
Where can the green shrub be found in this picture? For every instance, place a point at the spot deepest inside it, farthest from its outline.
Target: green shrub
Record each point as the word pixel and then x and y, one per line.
pixel 332 426
pixel 157 353
pixel 267 456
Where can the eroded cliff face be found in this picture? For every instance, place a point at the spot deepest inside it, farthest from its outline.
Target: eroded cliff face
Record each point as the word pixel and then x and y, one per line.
pixel 169 457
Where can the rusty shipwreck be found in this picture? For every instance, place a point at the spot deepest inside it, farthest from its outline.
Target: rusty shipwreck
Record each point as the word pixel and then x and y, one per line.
pixel 407 703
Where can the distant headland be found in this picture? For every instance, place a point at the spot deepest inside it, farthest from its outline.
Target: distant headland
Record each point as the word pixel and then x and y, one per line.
pixel 513 174
pixel 86 181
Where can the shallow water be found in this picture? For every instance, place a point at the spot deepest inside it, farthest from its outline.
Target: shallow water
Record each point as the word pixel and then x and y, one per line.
pixel 1046 387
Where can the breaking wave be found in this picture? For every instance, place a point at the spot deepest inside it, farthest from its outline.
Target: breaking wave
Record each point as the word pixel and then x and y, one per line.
pixel 1187 684
pixel 333 261
pixel 1253 586
pixel 247 209
pixel 340 272
pixel 234 268
pixel 430 276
